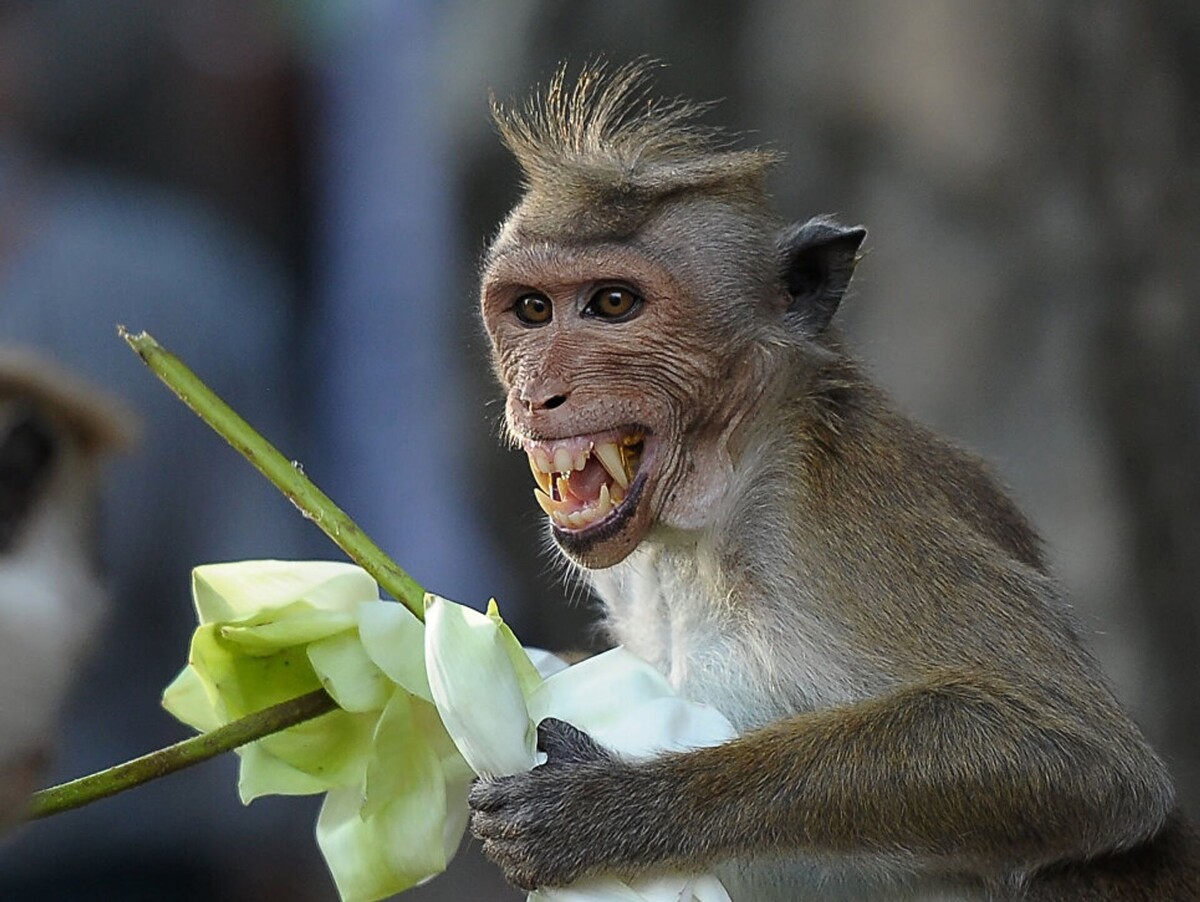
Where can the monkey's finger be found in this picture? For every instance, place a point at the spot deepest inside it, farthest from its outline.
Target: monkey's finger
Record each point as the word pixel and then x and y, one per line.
pixel 489 795
pixel 566 744
pixel 490 827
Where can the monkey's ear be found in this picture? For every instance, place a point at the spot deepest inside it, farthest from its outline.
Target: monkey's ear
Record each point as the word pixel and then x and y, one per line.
pixel 818 261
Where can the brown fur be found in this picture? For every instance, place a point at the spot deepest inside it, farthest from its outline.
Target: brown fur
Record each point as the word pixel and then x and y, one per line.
pixel 918 718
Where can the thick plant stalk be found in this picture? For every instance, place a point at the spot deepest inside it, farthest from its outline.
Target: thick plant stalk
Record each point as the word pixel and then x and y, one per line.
pixel 285 474
pixel 120 777
pixel 315 505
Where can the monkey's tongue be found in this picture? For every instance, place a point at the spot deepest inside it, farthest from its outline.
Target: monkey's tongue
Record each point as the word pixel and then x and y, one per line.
pixel 584 485
pixel 581 497
pixel 580 480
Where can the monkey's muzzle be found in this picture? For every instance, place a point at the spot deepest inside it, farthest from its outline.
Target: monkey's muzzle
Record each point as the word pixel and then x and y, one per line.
pixel 583 480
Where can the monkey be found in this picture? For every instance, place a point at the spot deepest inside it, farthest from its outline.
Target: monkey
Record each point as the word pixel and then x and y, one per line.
pixel 917 717
pixel 55 430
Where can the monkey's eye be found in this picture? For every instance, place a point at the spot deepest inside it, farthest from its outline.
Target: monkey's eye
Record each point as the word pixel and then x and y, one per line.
pixel 533 309
pixel 612 303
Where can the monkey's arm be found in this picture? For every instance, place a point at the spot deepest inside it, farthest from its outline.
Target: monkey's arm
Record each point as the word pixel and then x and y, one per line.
pixel 975 772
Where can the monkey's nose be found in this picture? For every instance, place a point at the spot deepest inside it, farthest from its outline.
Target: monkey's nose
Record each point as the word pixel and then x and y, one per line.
pixel 543 391
pixel 543 402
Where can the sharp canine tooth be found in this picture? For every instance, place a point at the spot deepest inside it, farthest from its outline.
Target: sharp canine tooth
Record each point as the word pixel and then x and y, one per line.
pixel 540 476
pixel 562 461
pixel 612 459
pixel 545 502
pixel 604 505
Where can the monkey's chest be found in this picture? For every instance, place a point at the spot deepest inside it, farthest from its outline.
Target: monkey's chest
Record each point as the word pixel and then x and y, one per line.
pixel 748 661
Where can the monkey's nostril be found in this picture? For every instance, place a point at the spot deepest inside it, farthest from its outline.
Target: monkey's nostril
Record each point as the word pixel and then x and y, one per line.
pixel 556 401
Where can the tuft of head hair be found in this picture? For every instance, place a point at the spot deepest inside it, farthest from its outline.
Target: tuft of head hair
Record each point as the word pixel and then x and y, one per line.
pixel 607 136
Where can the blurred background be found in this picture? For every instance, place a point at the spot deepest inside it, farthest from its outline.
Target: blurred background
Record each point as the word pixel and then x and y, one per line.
pixel 294 196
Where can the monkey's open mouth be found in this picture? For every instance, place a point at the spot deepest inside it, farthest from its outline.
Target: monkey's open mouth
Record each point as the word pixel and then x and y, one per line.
pixel 583 481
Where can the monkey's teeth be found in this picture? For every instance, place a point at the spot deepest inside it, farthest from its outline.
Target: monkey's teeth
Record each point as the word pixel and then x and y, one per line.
pixel 577 519
pixel 553 468
pixel 546 503
pixel 610 456
pixel 581 457
pixel 539 460
pixel 604 504
pixel 540 476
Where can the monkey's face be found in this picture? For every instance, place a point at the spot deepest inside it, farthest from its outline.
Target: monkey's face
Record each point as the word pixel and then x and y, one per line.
pixel 618 391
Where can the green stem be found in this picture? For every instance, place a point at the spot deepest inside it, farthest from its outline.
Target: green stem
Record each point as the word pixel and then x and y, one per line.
pixel 285 474
pixel 314 504
pixel 109 782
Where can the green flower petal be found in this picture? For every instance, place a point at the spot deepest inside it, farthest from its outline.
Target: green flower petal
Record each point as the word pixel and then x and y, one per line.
pixel 238 684
pixel 333 748
pixel 476 689
pixel 348 675
pixel 231 591
pixel 395 640
pixel 397 836
pixel 527 674
pixel 260 774
pixel 294 624
pixel 410 735
pixel 188 700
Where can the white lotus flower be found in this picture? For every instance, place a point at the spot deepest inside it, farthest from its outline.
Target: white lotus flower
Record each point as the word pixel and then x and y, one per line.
pixel 422 709
pixel 396 786
pixel 491 697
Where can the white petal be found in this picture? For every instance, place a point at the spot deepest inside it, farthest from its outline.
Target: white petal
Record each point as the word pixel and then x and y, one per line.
pixel 664 725
pixel 231 591
pixel 347 674
pixel 546 662
pixel 476 689
pixel 679 888
pixel 594 693
pixel 625 704
pixel 605 889
pixel 395 639
pixel 528 676
pixel 708 889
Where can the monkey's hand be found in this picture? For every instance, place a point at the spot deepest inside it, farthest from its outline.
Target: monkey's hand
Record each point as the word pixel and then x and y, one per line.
pixel 560 821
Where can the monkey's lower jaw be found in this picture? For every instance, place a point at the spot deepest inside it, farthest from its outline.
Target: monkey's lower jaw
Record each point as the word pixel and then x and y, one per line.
pixel 589 485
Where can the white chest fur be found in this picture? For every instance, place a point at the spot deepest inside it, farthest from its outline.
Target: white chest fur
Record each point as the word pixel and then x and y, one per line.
pixel 671 607
pixel 755 662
